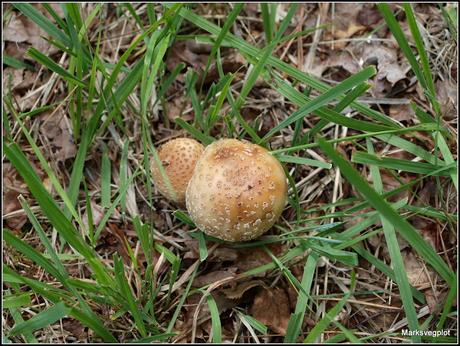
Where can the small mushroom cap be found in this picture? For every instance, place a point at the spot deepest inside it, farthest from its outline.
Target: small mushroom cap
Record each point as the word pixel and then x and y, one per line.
pixel 237 191
pixel 178 157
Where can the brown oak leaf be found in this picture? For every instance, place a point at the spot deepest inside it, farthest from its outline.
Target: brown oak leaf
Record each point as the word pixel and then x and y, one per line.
pixel 271 307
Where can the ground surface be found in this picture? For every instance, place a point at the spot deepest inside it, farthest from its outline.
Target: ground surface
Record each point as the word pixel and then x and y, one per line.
pixel 92 251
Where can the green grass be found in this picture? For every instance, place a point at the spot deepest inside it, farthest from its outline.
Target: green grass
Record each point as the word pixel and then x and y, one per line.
pixel 112 104
pixel 395 254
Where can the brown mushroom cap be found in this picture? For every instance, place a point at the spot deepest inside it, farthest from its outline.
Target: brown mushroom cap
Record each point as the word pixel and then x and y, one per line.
pixel 179 157
pixel 237 192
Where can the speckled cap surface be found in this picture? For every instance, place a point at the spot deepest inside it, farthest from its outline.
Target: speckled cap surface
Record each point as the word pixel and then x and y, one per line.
pixel 179 157
pixel 237 191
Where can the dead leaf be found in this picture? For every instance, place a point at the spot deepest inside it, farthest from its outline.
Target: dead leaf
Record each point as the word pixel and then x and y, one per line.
pixel 16 50
pixel 183 52
pixel 386 60
pixel 368 15
pixel 428 229
pixel 121 242
pixel 428 193
pixel 57 8
pixel 191 303
pixel 393 72
pixel 18 79
pixel 402 112
pixel 176 107
pixel 341 59
pixel 221 254
pixel 271 307
pixel 224 254
pixel 390 183
pixel 346 61
pixel 56 129
pixel 196 56
pixel 131 203
pixel 252 258
pixel 214 276
pixel 416 271
pixel 21 29
pixel 97 213
pixel 345 20
pixel 15 30
pixel 358 55
pixel 238 291
pixel 11 204
pixel 447 95
pixel 231 63
pixel 13 186
pixel 75 328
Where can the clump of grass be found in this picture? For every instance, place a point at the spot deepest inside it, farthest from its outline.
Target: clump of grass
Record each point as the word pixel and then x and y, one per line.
pixel 146 286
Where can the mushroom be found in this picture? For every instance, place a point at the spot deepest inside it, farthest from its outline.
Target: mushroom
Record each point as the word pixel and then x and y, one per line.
pixel 237 191
pixel 178 157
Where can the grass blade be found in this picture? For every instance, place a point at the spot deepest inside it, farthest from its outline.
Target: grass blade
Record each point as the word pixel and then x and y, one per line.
pixel 56 296
pixel 16 300
pixel 43 22
pixel 43 319
pixel 32 254
pixel 156 59
pixel 345 102
pixel 411 148
pixel 96 323
pixel 326 113
pixel 13 62
pixel 395 255
pixel 105 179
pixel 296 320
pixel 125 289
pixel 399 164
pixel 449 302
pixel 27 335
pixel 346 257
pixel 142 231
pixel 54 214
pixel 201 245
pixel 203 138
pixel 420 47
pixel 325 98
pixel 216 327
pixel 303 161
pixel 212 117
pixel 376 201
pixel 266 20
pixel 328 318
pixel 228 23
pixel 70 210
pixel 440 142
pixel 120 95
pixel 256 324
pixel 257 70
pixel 123 188
pixel 44 60
pixel 248 49
pixel 386 270
pixel 181 302
pixel 402 41
pixel 422 127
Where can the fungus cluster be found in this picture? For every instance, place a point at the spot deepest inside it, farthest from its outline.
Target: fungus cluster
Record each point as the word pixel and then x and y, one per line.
pixel 236 192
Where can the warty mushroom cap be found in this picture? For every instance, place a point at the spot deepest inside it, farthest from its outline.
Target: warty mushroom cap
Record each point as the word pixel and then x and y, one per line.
pixel 179 157
pixel 237 191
